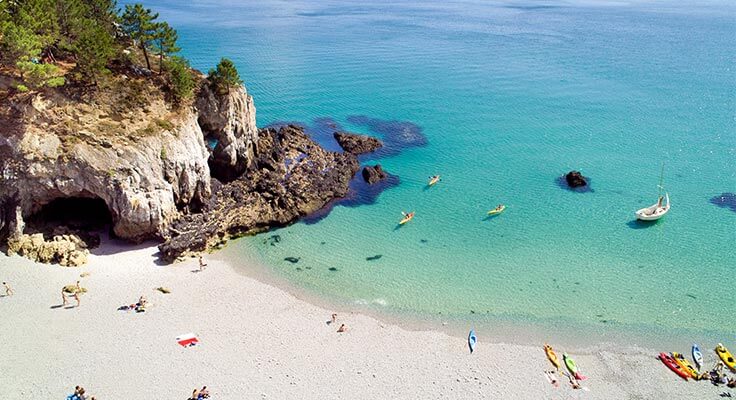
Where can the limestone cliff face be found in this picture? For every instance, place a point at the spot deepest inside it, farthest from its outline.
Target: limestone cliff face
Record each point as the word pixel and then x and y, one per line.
pixel 143 182
pixel 148 168
pixel 229 122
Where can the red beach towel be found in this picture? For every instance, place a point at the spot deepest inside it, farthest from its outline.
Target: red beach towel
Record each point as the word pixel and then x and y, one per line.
pixel 187 340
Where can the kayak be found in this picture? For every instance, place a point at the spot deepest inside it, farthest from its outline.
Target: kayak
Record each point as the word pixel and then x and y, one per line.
pixel 671 364
pixel 685 364
pixel 472 340
pixel 726 356
pixel 552 356
pixel 697 356
pixel 572 367
pixel 407 218
pixel 497 210
pixel 434 180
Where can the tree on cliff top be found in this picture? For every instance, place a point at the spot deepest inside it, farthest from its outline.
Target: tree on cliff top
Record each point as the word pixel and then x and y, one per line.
pixel 164 41
pixel 139 23
pixel 224 76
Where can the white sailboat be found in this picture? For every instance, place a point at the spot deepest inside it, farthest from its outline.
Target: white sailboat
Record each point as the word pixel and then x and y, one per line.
pixel 655 211
pixel 658 209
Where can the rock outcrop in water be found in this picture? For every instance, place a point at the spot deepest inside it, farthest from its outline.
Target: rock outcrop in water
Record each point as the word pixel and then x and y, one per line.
pixel 148 163
pixel 575 179
pixel 357 144
pixel 291 177
pixel 374 174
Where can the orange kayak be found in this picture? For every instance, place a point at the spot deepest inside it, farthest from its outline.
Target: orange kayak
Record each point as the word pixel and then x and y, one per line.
pixel 552 356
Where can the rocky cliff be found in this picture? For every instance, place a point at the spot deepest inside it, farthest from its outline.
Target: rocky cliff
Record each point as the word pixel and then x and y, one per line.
pixel 152 164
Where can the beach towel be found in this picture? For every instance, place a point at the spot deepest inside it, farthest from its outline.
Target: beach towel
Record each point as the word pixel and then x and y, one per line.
pixel 187 340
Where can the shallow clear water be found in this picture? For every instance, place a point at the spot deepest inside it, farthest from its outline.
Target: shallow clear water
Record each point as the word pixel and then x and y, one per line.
pixel 510 96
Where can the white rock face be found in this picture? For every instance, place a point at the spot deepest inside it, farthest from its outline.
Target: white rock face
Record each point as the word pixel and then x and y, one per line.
pixel 230 121
pixel 146 183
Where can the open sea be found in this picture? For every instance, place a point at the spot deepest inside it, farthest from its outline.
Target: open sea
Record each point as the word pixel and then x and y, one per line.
pixel 501 99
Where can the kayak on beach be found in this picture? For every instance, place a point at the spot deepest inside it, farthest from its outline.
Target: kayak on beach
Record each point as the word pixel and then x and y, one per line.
pixel 551 356
pixel 685 364
pixel 573 367
pixel 472 340
pixel 697 356
pixel 726 356
pixel 671 364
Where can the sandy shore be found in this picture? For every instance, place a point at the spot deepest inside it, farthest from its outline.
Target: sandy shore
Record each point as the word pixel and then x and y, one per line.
pixel 259 342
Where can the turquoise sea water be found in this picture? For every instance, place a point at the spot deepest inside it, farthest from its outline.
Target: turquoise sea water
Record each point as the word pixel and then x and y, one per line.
pixel 510 95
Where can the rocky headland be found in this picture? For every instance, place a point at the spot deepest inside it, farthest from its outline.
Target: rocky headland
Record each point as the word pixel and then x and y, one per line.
pixel 190 175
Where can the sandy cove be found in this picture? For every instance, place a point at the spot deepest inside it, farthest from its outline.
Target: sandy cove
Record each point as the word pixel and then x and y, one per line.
pixel 260 342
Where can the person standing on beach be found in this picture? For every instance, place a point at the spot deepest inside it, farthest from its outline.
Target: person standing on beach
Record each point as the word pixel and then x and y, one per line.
pixel 8 290
pixel 73 289
pixel 202 265
pixel 334 318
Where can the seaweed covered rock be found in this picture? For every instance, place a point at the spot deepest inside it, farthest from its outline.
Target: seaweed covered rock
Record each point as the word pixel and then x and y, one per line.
pixel 292 176
pixel 357 144
pixel 374 174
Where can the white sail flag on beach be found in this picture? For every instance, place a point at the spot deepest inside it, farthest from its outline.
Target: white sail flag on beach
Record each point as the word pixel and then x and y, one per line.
pixel 187 340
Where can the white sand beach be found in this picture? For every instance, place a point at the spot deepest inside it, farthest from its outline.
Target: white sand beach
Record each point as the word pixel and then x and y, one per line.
pixel 260 342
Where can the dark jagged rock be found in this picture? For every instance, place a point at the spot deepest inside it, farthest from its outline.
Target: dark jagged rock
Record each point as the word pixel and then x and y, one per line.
pixel 292 260
pixel 575 179
pixel 292 176
pixel 374 174
pixel 357 144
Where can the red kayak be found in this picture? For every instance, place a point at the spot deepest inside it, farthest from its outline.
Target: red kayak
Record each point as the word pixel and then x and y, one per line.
pixel 671 364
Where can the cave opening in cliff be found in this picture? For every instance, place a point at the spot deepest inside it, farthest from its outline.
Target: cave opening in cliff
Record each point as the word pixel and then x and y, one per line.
pixel 84 213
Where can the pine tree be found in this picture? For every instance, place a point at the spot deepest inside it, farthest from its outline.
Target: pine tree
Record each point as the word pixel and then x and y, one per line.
pixel 165 42
pixel 94 48
pixel 140 24
pixel 224 76
pixel 180 76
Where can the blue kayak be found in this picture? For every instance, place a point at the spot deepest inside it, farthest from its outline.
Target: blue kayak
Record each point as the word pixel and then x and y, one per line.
pixel 472 340
pixel 697 356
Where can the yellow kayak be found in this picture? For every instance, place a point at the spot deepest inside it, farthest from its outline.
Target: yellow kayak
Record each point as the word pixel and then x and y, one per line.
pixel 552 356
pixel 434 180
pixel 497 210
pixel 726 356
pixel 685 364
pixel 407 218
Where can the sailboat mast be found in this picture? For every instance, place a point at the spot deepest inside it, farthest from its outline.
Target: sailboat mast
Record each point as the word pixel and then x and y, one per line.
pixel 661 181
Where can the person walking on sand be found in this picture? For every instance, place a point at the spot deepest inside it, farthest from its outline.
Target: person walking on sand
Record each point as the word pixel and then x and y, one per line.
pixel 8 290
pixel 202 265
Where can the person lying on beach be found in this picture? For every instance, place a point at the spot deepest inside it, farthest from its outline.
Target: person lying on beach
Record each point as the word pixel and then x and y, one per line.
pixel 731 383
pixel 8 289
pixel 204 393
pixel 342 328
pixel 551 378
pixel 195 395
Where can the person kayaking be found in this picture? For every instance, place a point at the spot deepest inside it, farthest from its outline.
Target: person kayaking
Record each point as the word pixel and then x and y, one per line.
pixel 498 207
pixel 433 179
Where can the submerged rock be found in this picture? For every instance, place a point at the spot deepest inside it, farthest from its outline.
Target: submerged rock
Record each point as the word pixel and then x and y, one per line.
pixel 292 260
pixel 373 258
pixel 357 144
pixel 575 179
pixel 374 174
